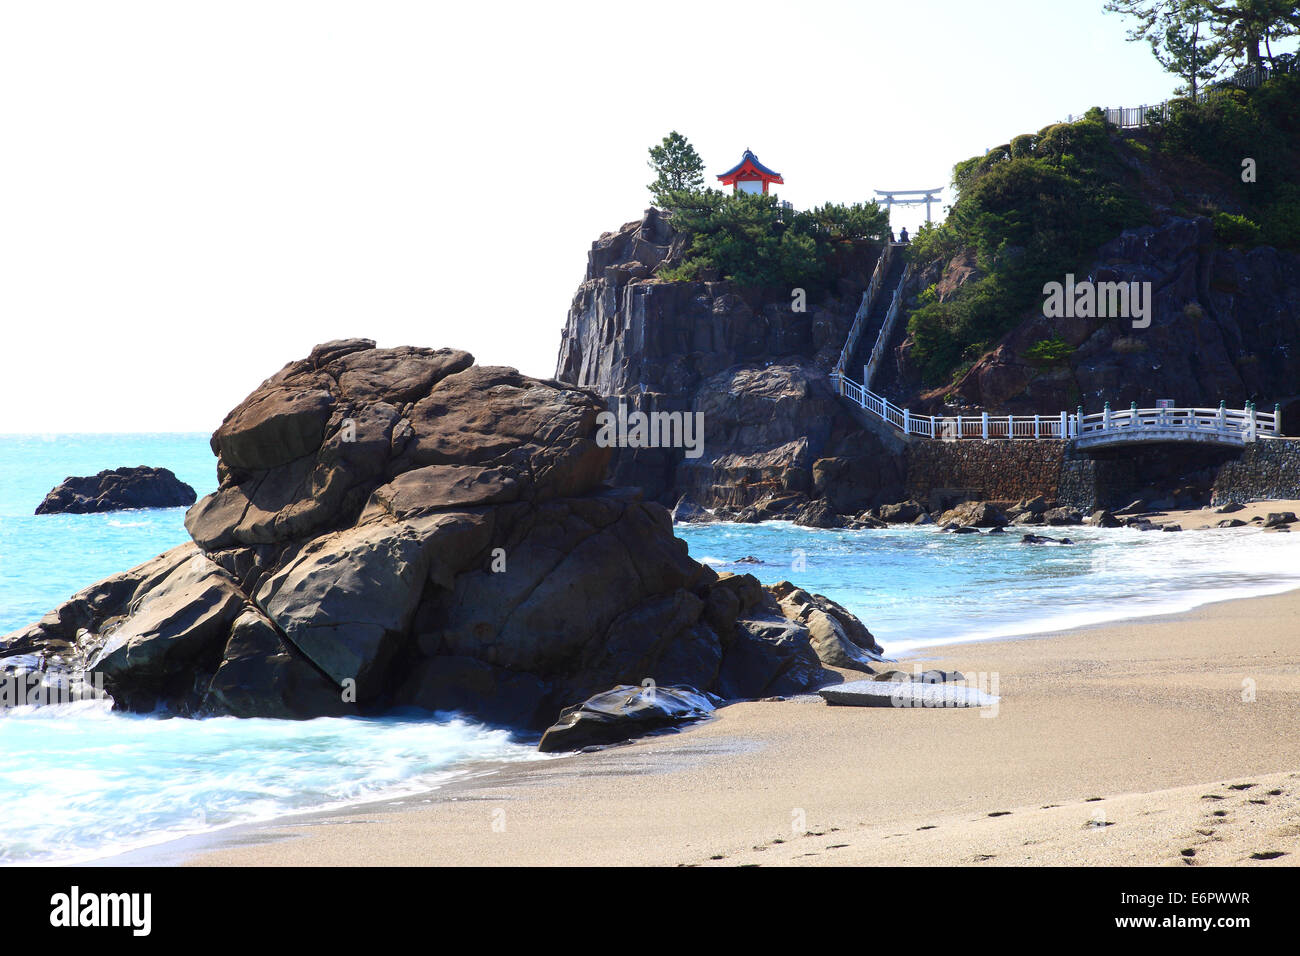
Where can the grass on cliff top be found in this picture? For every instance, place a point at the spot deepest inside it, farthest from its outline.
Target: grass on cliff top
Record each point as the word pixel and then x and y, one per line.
pixel 1039 206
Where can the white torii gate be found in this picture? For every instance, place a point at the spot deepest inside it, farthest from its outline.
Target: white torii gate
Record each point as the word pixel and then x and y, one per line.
pixel 912 197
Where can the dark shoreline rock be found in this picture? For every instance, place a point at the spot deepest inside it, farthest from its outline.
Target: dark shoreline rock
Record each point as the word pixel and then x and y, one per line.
pixel 118 489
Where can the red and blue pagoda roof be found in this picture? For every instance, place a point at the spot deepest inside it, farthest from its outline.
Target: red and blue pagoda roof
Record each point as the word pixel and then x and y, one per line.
pixel 749 169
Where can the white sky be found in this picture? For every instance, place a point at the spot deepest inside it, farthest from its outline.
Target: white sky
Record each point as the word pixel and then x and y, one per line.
pixel 194 194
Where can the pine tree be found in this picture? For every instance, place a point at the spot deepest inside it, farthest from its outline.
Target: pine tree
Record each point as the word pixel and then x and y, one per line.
pixel 1184 36
pixel 1246 24
pixel 678 169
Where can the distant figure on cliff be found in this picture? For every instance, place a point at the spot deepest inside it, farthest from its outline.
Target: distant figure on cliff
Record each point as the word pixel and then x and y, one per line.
pixel 891 236
pixel 902 236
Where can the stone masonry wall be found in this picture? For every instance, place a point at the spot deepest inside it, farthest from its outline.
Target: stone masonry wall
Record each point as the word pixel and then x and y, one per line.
pixel 944 472
pixel 1268 468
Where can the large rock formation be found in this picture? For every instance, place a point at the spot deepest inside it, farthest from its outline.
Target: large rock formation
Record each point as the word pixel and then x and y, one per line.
pixel 401 527
pixel 753 366
pixel 118 490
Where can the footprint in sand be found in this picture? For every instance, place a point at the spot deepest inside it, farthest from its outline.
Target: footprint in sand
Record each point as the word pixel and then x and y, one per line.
pixel 1267 855
pixel 928 826
pixel 1000 813
pixel 1262 802
pixel 1220 813
pixel 1275 793
pixel 1093 799
pixel 1240 786
pixel 1212 796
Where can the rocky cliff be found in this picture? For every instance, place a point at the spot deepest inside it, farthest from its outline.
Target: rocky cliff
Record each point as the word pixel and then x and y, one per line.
pixel 755 367
pixel 1166 208
pixel 1224 326
pixel 401 527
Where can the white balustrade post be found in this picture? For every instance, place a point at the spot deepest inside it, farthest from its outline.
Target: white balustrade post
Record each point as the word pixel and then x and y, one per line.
pixel 985 420
pixel 958 426
pixel 1105 418
pixel 1065 425
pixel 907 421
pixel 1036 425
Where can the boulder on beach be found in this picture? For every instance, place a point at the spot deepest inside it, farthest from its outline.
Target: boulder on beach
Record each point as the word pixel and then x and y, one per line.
pixel 404 528
pixel 624 712
pixel 906 693
pixel 120 489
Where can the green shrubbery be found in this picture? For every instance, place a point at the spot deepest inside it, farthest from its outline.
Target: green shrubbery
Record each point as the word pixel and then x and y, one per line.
pixel 1232 126
pixel 1031 210
pixel 1037 207
pixel 1051 351
pixel 750 239
pixel 1235 230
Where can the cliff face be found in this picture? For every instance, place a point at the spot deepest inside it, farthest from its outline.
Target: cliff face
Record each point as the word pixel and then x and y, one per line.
pixel 1225 326
pixel 756 368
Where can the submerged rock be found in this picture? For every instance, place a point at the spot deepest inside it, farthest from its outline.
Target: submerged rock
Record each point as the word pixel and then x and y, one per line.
pixel 121 489
pixel 402 528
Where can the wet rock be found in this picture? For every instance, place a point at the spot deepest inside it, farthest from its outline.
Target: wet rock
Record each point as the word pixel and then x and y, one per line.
pixel 1043 539
pixel 975 514
pixel 622 713
pixel 902 513
pixel 1062 516
pixel 1103 519
pixel 818 514
pixel 118 490
pixel 687 510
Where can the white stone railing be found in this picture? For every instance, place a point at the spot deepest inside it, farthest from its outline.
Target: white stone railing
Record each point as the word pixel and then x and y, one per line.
pixel 886 329
pixel 1219 425
pixel 864 308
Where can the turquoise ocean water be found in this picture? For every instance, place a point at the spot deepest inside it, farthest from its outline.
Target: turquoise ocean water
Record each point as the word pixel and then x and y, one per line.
pixel 80 782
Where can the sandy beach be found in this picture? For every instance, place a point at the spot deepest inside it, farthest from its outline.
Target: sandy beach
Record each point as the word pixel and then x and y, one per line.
pixel 1168 740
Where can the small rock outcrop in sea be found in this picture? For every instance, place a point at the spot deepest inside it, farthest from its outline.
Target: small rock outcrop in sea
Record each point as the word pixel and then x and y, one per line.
pixel 118 490
pixel 403 528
